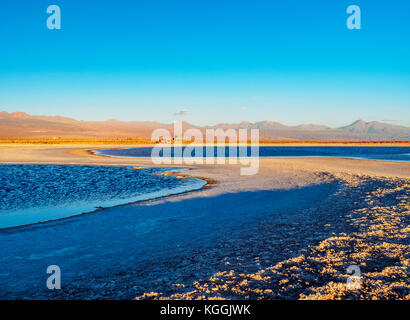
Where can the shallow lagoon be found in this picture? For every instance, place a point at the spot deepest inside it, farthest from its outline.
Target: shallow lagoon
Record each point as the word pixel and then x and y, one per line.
pixel 38 193
pixel 369 153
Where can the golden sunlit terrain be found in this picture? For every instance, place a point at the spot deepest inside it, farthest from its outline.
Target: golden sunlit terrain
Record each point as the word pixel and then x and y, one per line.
pixel 76 141
pixel 143 141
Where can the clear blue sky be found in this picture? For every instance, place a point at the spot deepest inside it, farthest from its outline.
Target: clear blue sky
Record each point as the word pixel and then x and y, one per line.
pixel 220 60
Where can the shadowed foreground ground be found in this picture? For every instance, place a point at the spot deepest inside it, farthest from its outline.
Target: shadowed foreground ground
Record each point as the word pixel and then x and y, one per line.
pixel 370 219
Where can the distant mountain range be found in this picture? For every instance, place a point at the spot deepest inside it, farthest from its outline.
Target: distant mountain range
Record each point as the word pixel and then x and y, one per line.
pixel 23 125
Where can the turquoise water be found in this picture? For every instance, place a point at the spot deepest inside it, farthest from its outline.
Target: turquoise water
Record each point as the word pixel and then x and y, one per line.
pixel 370 153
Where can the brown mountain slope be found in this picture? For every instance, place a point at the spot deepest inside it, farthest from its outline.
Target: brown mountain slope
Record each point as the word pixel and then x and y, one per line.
pixel 22 125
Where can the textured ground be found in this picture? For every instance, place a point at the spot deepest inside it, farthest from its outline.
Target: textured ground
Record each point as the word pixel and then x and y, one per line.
pixel 370 222
pixel 289 232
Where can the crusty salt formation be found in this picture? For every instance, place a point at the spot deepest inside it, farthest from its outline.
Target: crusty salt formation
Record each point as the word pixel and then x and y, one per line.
pixel 369 222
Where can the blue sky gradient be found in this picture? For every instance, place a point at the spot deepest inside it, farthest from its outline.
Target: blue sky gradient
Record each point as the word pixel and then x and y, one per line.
pixel 223 61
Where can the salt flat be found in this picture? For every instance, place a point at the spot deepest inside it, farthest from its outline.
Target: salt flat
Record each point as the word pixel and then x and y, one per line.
pixel 278 230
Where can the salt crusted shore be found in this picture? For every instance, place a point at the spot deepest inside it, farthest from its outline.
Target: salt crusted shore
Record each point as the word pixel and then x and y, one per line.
pixel 316 217
pixel 368 219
